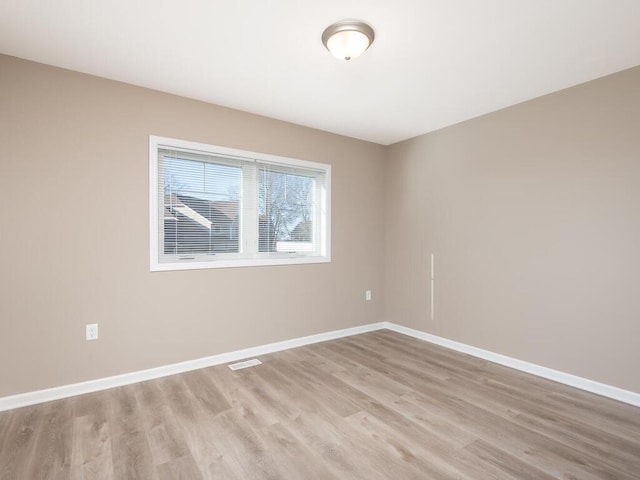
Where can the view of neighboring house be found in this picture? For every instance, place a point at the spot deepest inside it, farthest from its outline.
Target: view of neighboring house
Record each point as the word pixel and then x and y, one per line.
pixel 303 232
pixel 196 225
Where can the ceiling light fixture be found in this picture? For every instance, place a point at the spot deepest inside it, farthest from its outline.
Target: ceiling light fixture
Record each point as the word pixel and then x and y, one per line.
pixel 348 39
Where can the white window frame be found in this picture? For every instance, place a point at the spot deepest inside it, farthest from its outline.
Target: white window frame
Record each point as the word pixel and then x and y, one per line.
pixel 322 214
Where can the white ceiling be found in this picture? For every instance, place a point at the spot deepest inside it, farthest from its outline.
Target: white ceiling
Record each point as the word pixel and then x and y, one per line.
pixel 433 63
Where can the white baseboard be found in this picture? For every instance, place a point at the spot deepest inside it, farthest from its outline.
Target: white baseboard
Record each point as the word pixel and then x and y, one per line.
pixel 56 393
pixel 603 389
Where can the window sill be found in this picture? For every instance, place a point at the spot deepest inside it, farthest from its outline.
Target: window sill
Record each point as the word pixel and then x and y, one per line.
pixel 247 262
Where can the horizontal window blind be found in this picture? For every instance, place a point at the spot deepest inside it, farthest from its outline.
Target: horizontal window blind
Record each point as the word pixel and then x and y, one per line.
pixel 286 208
pixel 221 209
pixel 201 198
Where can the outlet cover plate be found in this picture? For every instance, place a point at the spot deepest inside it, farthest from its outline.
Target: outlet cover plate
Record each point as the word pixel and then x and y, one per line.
pixel 92 331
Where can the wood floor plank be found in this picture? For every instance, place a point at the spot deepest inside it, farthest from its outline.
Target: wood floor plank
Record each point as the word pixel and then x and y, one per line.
pixel 541 451
pixel 198 432
pixel 52 450
pixel 17 437
pixel 343 451
pixel 489 400
pixel 245 446
pixel 520 406
pixel 375 406
pixel 588 439
pixel 313 388
pixel 92 439
pixel 511 465
pixel 166 440
pixel 5 422
pixel 207 394
pixel 294 459
pixel 132 457
pixel 182 468
pixel 414 458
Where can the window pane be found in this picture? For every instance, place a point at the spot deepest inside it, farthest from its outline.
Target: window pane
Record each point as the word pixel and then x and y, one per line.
pixel 201 206
pixel 285 212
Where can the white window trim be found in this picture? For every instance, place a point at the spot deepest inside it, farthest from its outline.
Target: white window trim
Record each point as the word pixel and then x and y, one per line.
pixel 156 142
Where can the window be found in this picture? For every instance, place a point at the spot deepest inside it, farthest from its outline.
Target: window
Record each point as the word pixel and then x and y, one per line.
pixel 219 207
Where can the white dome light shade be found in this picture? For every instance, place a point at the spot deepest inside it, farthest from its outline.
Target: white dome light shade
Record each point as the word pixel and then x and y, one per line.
pixel 348 44
pixel 348 39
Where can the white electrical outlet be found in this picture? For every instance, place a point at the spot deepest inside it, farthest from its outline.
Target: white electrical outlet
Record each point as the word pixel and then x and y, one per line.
pixel 92 331
pixel 367 295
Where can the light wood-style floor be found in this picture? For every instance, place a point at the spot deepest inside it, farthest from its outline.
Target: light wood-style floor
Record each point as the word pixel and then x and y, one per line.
pixel 374 406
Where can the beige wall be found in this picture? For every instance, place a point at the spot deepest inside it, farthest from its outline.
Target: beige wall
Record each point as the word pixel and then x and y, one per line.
pixel 75 240
pixel 533 214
